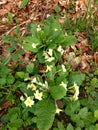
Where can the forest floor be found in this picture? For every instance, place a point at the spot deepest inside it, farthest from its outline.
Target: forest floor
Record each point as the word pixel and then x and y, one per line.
pixel 82 18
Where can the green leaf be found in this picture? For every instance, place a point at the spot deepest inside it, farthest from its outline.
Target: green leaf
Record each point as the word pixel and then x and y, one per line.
pixel 60 126
pixel 78 128
pixel 72 107
pixel 57 55
pixel 12 128
pixel 10 39
pixel 10 49
pixel 55 129
pixel 16 123
pixel 95 45
pixel 76 77
pixel 57 9
pixel 96 126
pixel 94 83
pixel 80 123
pixel 51 74
pixel 2 81
pixel 4 71
pixel 69 40
pixel 17 31
pixel 28 43
pixel 69 127
pixel 24 3
pixel 96 114
pixel 20 75
pixel 30 68
pixel 40 56
pixel 83 113
pixel 75 117
pixel 45 111
pixel 10 17
pixel 10 79
pixel 13 111
pixel 5 60
pixel 57 92
pixel 96 72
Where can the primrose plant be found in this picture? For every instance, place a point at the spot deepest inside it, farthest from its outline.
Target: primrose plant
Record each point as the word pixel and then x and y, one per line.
pixel 48 77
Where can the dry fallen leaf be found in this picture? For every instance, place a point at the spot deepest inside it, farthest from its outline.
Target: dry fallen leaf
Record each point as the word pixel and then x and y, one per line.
pixel 3 12
pixel 5 104
pixel 3 2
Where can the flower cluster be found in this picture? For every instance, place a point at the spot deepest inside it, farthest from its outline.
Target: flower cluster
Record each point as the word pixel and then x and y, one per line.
pixel 37 92
pixel 48 55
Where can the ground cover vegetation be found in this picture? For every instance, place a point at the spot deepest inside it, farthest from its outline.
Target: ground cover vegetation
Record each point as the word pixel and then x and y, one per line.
pixel 49 65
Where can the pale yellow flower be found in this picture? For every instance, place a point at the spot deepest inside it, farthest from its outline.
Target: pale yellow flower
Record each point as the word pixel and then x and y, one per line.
pixel 64 85
pixel 32 86
pixel 38 28
pixel 55 29
pixel 45 85
pixel 50 51
pixel 34 45
pixel 58 110
pixel 50 59
pixel 38 95
pixel 34 80
pixel 76 92
pixel 46 55
pixel 63 68
pixel 49 68
pixel 29 102
pixel 74 97
pixel 22 98
pixel 60 49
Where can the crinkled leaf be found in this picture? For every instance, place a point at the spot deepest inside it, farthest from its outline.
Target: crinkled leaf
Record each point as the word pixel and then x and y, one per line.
pixel 10 79
pixel 30 68
pixel 72 107
pixel 16 123
pixel 83 113
pixel 69 127
pixel 94 83
pixel 77 78
pixel 2 81
pixel 60 126
pixel 4 71
pixel 57 92
pixel 45 111
pixel 69 40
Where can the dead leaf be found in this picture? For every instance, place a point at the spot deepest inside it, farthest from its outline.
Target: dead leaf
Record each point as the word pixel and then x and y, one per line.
pixel 3 12
pixel 75 62
pixel 96 58
pixel 82 46
pixel 59 104
pixel 84 65
pixel 5 105
pixel 3 2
